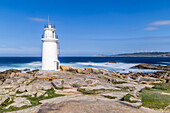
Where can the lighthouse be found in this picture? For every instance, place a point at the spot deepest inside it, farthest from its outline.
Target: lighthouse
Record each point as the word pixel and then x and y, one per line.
pixel 50 49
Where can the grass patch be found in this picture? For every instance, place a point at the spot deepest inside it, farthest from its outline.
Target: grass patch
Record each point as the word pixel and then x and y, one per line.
pixel 110 97
pixel 123 88
pixel 6 103
pixel 118 82
pixel 94 91
pixel 82 73
pixel 34 100
pixel 19 92
pixel 127 98
pixel 152 98
pixel 163 87
pixel 59 88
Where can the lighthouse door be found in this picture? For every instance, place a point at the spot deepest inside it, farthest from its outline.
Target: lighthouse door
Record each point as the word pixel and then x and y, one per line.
pixel 57 65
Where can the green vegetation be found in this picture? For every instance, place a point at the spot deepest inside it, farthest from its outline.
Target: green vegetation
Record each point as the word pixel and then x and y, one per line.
pixel 146 53
pixel 94 91
pixel 59 88
pixel 123 88
pixel 82 73
pixel 152 97
pixel 19 92
pixel 127 98
pixel 34 101
pixel 162 87
pixel 6 103
pixel 110 97
pixel 118 82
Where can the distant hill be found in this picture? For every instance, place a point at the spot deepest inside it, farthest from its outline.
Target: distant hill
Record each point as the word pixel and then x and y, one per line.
pixel 140 54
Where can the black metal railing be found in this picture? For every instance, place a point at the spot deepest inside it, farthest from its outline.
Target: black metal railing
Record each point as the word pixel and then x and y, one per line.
pixel 46 25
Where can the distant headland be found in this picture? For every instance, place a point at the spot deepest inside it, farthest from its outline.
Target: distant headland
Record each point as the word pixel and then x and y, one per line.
pixel 140 54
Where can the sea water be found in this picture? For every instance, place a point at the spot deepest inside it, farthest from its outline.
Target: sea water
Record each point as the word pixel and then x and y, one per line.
pixel 123 64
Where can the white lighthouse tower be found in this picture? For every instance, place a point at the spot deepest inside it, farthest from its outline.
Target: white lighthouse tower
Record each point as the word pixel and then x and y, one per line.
pixel 50 50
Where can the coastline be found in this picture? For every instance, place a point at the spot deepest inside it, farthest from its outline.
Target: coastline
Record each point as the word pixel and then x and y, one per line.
pixel 85 86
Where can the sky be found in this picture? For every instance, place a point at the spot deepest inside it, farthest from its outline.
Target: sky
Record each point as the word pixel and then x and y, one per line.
pixel 85 27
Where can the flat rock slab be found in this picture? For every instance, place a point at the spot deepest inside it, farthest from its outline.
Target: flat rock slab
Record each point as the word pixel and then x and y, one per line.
pixel 67 91
pixel 85 106
pixel 119 95
pixel 99 87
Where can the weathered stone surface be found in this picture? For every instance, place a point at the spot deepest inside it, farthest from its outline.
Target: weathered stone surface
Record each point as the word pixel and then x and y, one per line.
pixel 90 106
pixel 3 98
pixel 32 88
pixel 98 82
pixel 103 71
pixel 118 95
pixel 95 70
pixel 19 102
pixel 21 80
pixel 22 88
pixel 3 91
pixel 148 79
pixel 26 94
pixel 58 83
pixel 150 66
pixel 135 99
pixel 12 93
pixel 7 87
pixel 71 69
pixel 67 91
pixel 76 84
pixel 88 70
pixel 112 72
pixel 40 93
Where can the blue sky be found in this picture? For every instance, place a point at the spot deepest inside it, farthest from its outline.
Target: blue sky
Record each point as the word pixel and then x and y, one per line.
pixel 85 27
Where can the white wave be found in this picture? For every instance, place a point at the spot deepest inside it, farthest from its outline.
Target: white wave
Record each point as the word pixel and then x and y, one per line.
pixel 118 67
pixel 109 65
pixel 21 66
pixel 35 63
pixel 165 63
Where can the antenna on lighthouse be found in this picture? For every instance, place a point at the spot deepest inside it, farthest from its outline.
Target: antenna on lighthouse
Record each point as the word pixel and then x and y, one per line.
pixel 48 19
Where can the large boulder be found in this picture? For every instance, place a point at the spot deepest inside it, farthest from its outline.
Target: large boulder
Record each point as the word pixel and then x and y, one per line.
pixel 150 66
pixel 5 74
pixel 103 71
pixel 95 70
pixel 58 83
pixel 148 79
pixel 88 70
pixel 32 88
pixel 71 69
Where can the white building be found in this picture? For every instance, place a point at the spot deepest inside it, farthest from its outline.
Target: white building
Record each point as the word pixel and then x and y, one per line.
pixel 50 50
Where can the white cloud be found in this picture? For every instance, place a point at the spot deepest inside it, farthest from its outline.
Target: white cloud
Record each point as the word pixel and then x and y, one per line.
pixel 151 28
pixel 37 19
pixel 159 23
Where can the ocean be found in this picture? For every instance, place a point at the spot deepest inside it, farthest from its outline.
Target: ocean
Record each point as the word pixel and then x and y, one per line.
pixel 123 64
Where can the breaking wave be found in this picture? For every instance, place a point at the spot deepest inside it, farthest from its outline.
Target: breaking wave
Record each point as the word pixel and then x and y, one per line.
pixel 118 67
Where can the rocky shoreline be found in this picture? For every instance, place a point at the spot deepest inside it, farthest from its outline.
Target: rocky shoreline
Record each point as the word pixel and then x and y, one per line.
pixel 35 92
